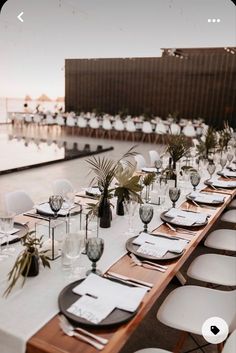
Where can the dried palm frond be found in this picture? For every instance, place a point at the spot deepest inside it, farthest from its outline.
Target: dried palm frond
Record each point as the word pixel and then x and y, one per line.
pixel 178 146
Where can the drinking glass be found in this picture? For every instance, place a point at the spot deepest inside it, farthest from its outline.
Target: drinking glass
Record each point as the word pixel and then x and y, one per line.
pixel 146 214
pixel 94 251
pixel 158 164
pixel 72 248
pixel 230 157
pixel 55 202
pixel 130 207
pixel 211 168
pixel 195 179
pixel 174 194
pixel 223 162
pixel 6 226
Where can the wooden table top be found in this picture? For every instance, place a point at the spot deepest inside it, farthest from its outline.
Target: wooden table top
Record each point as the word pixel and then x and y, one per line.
pixel 50 339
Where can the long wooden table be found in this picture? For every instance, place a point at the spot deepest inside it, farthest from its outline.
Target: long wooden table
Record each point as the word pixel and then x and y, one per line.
pixel 50 339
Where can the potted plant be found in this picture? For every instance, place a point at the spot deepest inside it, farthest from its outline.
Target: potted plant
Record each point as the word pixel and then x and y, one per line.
pixel 27 262
pixel 208 144
pixel 105 170
pixel 225 136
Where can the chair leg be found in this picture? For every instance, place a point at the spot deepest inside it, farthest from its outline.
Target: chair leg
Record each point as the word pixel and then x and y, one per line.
pixel 220 347
pixel 180 342
pixel 181 278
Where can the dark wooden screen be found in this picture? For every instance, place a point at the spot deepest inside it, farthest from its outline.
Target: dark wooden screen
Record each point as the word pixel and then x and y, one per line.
pixel 202 84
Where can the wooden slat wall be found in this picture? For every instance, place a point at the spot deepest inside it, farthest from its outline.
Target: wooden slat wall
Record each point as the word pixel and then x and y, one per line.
pixel 200 85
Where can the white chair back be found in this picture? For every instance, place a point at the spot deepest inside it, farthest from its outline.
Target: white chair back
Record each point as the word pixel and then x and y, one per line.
pixel 174 129
pixel 230 345
pixel 62 186
pixel 18 202
pixel 70 121
pixel 119 125
pixel 59 120
pixel 130 126
pixel 81 122
pixel 160 128
pixel 140 162
pixel 189 130
pixel 28 118
pixel 146 127
pixel 94 123
pixel 49 119
pixel 154 156
pixel 37 118
pixel 106 124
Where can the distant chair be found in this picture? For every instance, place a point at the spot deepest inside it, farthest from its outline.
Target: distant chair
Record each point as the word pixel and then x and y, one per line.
pixel 175 129
pixel 147 131
pixel 28 118
pixel 37 119
pixel 18 202
pixel 160 132
pixel 154 156
pixel 60 120
pixel 94 125
pixel 82 124
pixel 130 130
pixel 140 162
pixel 189 130
pixel 107 127
pixel 49 120
pixel 71 122
pixel 119 128
pixel 62 186
pixel 19 119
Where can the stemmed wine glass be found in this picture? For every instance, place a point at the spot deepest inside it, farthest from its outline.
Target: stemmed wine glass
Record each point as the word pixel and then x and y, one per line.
pixel 158 164
pixel 55 202
pixel 195 179
pixel 94 251
pixel 211 168
pixel 223 162
pixel 73 246
pixel 230 157
pixel 6 226
pixel 174 194
pixel 146 214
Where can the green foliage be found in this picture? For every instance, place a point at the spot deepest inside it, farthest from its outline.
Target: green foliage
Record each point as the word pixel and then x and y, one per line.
pixel 178 146
pixel 149 179
pixel 24 259
pixel 207 146
pixel 225 137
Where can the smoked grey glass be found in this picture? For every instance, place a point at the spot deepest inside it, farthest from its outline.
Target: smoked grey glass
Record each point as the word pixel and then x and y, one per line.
pixel 174 194
pixel 146 214
pixel 94 251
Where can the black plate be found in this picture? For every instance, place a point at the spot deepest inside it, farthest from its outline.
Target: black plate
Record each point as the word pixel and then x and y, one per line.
pixel 67 298
pixel 73 212
pixel 133 249
pixel 23 230
pixel 214 203
pixel 169 220
pixel 227 176
pixel 210 183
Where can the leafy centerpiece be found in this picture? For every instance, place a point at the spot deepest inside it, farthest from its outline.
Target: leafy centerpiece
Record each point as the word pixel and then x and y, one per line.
pixel 27 262
pixel 207 144
pixel 225 136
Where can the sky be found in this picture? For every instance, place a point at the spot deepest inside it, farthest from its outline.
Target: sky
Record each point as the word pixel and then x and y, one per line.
pixel 33 52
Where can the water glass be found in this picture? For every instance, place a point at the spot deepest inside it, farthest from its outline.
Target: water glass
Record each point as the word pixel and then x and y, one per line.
pixel 146 214
pixel 174 194
pixel 72 248
pixel 6 226
pixel 223 162
pixel 195 179
pixel 55 202
pixel 130 207
pixel 211 168
pixel 94 251
pixel 230 157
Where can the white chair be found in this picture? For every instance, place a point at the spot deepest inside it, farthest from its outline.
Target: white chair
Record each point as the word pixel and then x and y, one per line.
pixel 71 122
pixel 119 127
pixel 154 156
pixel 147 131
pixel 229 347
pixel 49 120
pixel 222 239
pixel 189 130
pixel 232 204
pixel 82 124
pixel 107 127
pixel 187 308
pixel 140 162
pixel 94 126
pixel 60 120
pixel 28 118
pixel 37 118
pixel 62 186
pixel 214 268
pixel 130 129
pixel 160 131
pixel 229 216
pixel 174 129
pixel 18 202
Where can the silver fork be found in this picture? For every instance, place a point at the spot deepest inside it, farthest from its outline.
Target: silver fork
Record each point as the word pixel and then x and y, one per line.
pixel 137 262
pixel 64 320
pixel 132 256
pixel 72 333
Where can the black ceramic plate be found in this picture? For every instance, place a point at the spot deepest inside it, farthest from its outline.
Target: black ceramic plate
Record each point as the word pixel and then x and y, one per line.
pixel 76 210
pixel 133 249
pixel 67 298
pixel 23 230
pixel 225 175
pixel 170 220
pixel 213 203
pixel 210 183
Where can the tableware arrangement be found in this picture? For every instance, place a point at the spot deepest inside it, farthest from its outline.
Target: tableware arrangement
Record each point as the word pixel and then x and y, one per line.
pixel 184 218
pixel 146 215
pixel 94 251
pixel 206 198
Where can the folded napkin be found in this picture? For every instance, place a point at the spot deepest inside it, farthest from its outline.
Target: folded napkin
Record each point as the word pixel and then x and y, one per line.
pixel 149 170
pixel 121 296
pixel 93 191
pixel 45 208
pixel 229 173
pixel 11 236
pixel 12 231
pixel 187 218
pixel 91 309
pixel 223 184
pixel 208 198
pixel 158 246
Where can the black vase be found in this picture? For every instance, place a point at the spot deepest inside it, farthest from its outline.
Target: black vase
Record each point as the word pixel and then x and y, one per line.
pixel 34 267
pixel 105 213
pixel 120 206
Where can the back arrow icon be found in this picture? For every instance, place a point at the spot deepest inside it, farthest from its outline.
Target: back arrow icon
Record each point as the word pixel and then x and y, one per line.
pixel 19 16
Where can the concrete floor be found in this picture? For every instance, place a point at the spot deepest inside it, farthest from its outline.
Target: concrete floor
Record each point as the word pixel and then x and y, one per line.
pixel 38 183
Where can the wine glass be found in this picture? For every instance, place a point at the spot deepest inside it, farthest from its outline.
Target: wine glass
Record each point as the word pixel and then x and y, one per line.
pixel 223 162
pixel 230 157
pixel 195 179
pixel 72 248
pixel 130 206
pixel 6 226
pixel 174 194
pixel 94 251
pixel 158 164
pixel 211 168
pixel 146 214
pixel 55 202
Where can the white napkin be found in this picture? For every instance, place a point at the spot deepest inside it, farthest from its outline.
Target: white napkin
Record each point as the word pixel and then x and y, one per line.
pixel 229 173
pixel 93 191
pixel 149 169
pixel 91 309
pixel 11 236
pixel 158 246
pixel 208 198
pixel 121 296
pixel 187 218
pixel 46 209
pixel 12 231
pixel 223 184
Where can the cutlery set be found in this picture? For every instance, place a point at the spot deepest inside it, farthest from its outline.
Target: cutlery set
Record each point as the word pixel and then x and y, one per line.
pixel 147 264
pixel 180 230
pixel 128 280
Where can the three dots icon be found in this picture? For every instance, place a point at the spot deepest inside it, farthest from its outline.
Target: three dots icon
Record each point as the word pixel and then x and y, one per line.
pixel 213 20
